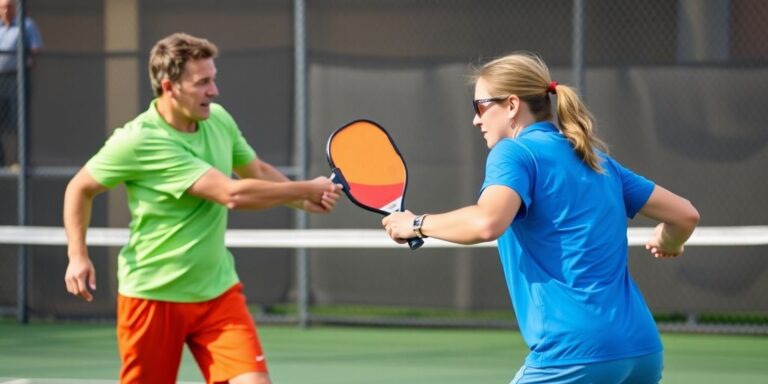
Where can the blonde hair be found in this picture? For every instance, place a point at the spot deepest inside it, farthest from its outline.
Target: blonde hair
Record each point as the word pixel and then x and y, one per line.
pixel 527 76
pixel 169 55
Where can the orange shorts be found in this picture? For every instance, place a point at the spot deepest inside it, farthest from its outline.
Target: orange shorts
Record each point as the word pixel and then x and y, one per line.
pixel 220 334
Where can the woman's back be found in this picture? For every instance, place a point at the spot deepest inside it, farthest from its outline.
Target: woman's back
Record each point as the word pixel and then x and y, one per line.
pixel 565 254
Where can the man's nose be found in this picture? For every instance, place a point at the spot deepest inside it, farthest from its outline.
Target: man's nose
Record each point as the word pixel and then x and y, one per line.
pixel 213 90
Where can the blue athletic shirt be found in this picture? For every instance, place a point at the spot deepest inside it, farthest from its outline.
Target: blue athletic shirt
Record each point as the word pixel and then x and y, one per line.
pixel 565 254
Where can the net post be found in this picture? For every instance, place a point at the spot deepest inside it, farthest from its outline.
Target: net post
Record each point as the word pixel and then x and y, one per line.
pixel 300 153
pixel 22 316
pixel 578 47
pixel 692 320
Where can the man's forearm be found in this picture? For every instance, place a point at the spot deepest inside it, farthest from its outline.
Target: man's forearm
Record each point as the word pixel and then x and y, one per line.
pixel 268 172
pixel 264 171
pixel 259 194
pixel 77 218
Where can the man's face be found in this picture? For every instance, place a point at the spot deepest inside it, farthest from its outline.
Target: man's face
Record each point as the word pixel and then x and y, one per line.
pixel 7 10
pixel 195 90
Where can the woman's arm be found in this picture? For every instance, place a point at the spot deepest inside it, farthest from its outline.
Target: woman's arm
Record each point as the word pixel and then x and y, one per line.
pixel 484 221
pixel 678 219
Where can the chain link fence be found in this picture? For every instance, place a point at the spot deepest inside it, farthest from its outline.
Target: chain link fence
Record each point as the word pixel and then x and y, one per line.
pixel 8 120
pixel 677 87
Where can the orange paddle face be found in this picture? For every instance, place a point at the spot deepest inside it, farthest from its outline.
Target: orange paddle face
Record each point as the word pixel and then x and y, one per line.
pixel 369 165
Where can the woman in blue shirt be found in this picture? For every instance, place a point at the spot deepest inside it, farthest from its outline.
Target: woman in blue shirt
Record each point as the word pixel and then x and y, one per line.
pixel 558 206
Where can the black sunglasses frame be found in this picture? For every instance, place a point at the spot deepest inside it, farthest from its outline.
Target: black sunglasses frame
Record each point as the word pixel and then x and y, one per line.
pixel 476 103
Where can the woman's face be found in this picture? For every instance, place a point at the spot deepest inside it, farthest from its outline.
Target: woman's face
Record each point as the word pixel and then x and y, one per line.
pixel 493 117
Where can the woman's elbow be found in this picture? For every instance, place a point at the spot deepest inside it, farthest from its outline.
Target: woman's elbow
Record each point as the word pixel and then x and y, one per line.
pixel 489 229
pixel 692 217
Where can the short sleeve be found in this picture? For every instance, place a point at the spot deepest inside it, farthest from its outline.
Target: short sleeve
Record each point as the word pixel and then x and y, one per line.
pixel 242 152
pixel 34 39
pixel 116 161
pixel 512 165
pixel 148 160
pixel 636 189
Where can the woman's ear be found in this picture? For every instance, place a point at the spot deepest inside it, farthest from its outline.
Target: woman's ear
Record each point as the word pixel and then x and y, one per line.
pixel 513 104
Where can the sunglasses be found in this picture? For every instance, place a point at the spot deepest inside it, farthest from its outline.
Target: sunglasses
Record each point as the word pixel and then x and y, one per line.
pixel 479 104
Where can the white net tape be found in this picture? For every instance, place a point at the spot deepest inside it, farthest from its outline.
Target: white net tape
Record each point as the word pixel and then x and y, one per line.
pixel 352 238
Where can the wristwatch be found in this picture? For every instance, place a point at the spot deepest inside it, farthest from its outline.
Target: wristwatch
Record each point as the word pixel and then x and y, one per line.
pixel 418 221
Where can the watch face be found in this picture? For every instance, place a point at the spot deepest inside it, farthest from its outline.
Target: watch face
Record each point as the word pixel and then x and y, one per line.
pixel 417 222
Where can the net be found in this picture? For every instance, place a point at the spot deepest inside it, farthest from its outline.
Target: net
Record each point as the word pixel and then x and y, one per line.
pixel 354 238
pixel 359 276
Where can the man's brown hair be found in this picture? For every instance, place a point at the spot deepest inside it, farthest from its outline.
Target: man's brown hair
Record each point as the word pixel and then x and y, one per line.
pixel 169 55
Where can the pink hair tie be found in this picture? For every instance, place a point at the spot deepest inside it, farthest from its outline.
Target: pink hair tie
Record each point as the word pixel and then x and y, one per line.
pixel 552 88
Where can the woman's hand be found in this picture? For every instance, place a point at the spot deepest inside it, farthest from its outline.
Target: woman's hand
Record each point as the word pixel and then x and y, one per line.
pixel 399 226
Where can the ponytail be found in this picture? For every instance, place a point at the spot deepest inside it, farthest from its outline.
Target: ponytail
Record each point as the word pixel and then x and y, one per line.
pixel 577 125
pixel 527 76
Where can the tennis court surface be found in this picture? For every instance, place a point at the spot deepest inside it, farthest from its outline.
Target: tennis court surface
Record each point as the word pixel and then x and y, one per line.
pixel 64 353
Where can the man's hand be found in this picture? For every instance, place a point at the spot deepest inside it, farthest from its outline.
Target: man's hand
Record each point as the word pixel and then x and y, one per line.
pixel 80 276
pixel 324 196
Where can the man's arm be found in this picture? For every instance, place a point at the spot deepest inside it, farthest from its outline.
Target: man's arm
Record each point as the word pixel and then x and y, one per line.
pixel 259 169
pixel 269 190
pixel 678 219
pixel 78 201
pixel 35 41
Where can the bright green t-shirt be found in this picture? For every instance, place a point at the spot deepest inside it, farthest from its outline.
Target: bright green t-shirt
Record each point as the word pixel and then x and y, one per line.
pixel 176 250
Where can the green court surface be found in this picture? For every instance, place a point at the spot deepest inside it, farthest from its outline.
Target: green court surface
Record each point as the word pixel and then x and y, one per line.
pixel 59 353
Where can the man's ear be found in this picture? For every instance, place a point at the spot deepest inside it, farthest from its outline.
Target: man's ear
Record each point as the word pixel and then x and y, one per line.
pixel 166 85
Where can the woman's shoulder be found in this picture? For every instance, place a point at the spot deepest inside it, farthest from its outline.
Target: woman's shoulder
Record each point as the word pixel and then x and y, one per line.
pixel 510 149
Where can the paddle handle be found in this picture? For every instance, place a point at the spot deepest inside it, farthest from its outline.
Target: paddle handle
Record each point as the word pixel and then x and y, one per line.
pixel 414 243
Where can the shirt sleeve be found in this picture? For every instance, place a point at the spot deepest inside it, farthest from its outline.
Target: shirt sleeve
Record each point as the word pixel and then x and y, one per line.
pixel 116 161
pixel 34 38
pixel 635 188
pixel 510 164
pixel 148 160
pixel 242 152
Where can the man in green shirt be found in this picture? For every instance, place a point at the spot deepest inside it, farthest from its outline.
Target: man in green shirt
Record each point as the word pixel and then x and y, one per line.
pixel 177 280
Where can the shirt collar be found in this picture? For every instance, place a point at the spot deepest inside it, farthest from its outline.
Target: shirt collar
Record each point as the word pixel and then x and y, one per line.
pixel 158 118
pixel 543 126
pixel 161 121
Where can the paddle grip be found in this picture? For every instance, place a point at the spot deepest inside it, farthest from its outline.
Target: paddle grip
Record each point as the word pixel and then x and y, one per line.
pixel 414 243
pixel 338 178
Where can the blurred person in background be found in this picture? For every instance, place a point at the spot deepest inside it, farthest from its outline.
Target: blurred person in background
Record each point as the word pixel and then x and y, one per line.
pixel 9 40
pixel 558 205
pixel 177 280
